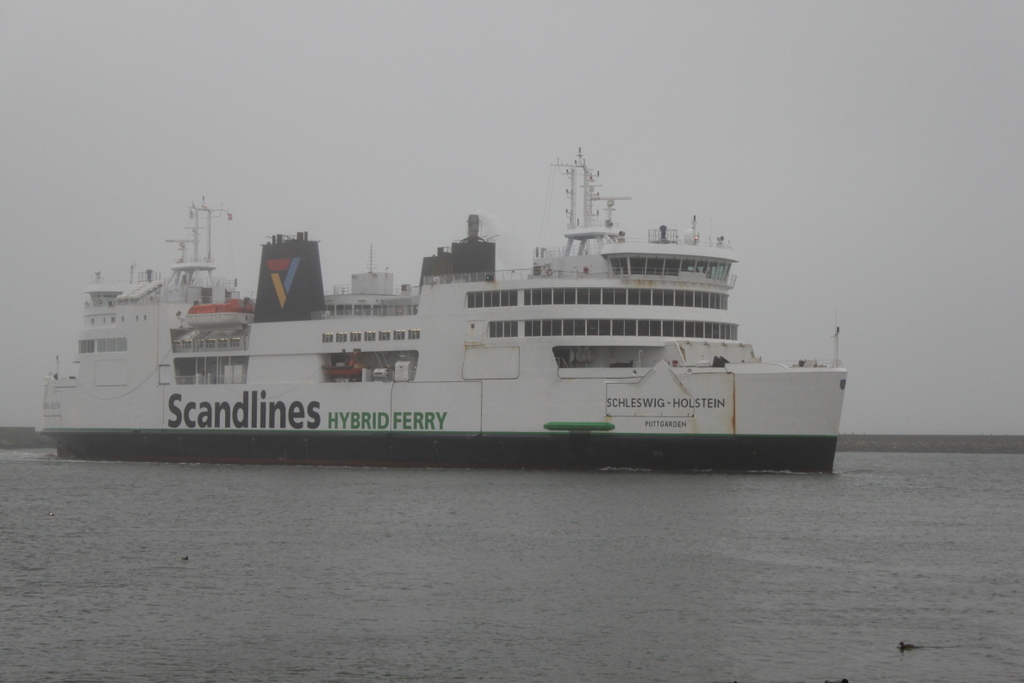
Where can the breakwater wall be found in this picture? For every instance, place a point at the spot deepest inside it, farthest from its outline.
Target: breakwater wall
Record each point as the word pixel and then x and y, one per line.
pixel 23 437
pixel 930 443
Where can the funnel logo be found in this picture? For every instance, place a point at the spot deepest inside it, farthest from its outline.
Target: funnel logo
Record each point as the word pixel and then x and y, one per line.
pixel 282 268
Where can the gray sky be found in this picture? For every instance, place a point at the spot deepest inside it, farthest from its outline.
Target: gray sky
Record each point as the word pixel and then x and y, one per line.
pixel 866 160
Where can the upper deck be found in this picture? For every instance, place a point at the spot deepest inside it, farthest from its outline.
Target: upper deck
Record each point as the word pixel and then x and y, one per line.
pixel 662 257
pixel 598 248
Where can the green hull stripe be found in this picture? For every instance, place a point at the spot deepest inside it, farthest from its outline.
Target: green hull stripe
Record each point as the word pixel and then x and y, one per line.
pixel 579 426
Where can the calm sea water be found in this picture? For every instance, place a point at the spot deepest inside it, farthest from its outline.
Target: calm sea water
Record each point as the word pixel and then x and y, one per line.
pixel 333 574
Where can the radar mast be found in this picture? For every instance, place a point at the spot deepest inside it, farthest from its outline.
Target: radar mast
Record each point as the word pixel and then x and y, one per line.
pixel 192 268
pixel 586 228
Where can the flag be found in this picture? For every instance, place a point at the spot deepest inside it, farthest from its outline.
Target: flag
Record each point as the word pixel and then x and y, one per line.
pixel 229 216
pixel 190 216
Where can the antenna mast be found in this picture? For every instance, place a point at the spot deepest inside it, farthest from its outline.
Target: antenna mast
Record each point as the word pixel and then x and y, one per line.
pixel 192 266
pixel 836 339
pixel 588 228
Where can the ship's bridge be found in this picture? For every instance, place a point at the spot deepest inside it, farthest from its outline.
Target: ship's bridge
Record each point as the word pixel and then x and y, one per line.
pixel 103 293
pixel 596 248
pixel 663 256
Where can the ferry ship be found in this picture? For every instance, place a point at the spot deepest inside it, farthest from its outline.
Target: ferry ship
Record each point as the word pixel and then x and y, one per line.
pixel 607 352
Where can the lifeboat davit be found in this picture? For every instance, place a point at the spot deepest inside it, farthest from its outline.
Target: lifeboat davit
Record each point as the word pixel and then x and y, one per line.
pixel 233 313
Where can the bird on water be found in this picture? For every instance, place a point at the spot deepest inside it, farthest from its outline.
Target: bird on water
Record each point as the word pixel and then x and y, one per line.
pixel 906 646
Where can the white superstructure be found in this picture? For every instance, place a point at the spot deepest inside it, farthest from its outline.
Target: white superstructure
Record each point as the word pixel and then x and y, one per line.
pixel 606 351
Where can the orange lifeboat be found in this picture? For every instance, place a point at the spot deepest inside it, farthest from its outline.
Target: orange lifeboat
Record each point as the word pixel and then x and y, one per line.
pixel 230 314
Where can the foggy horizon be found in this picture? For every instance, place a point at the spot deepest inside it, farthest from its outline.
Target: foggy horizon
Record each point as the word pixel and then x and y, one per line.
pixel 865 161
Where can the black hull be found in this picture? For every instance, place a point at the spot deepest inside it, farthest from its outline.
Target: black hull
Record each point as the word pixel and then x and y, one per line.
pixel 576 451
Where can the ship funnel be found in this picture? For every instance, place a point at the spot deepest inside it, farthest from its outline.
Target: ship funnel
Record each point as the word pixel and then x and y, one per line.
pixel 290 286
pixel 471 260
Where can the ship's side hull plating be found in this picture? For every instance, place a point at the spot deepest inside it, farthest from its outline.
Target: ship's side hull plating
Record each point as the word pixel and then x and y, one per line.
pixel 568 451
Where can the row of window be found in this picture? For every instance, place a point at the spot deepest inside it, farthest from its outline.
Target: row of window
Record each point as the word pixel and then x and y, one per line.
pixel 383 335
pixel 211 370
pixel 102 345
pixel 503 328
pixel 505 297
pixel 619 296
pixel 113 319
pixel 389 308
pixel 579 327
pixel 206 343
pixel 669 267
